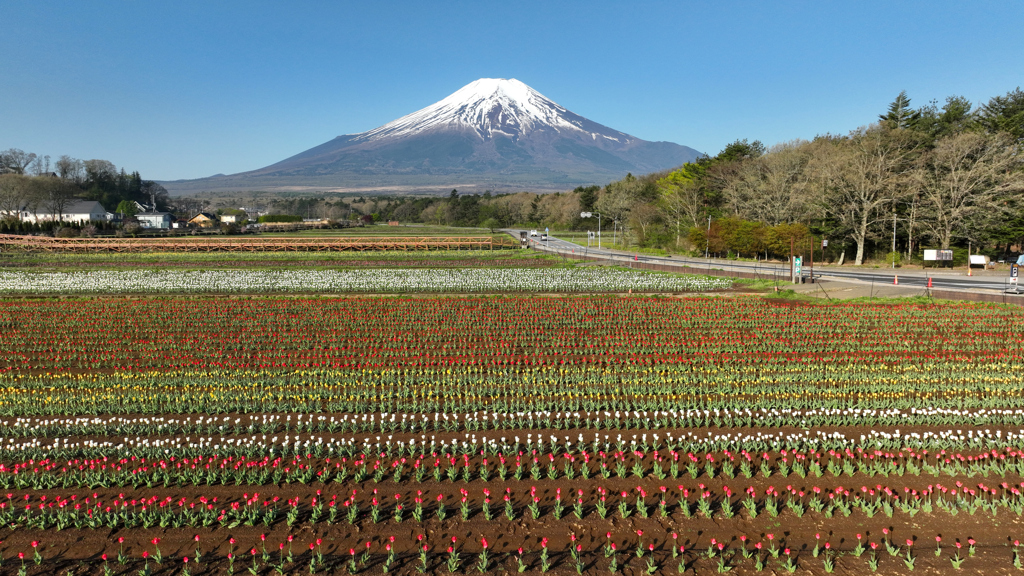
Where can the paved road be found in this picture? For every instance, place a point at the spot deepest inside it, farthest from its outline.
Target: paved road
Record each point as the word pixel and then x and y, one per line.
pixel 909 278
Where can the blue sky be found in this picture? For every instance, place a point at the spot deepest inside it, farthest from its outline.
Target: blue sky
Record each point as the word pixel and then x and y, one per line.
pixel 188 89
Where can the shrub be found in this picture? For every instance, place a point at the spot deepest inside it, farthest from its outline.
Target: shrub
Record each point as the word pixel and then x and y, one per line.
pixel 893 257
pixel 279 218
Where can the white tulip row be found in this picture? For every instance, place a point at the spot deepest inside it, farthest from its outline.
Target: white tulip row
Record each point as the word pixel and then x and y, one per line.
pixel 31 424
pixel 297 443
pixel 379 280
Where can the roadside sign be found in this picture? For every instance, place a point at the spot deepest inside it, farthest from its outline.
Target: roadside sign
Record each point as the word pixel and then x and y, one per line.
pixel 546 230
pixel 1014 269
pixel 978 260
pixel 938 255
pixel 824 243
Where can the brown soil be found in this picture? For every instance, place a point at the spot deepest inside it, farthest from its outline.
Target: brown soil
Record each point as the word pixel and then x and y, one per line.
pixel 79 550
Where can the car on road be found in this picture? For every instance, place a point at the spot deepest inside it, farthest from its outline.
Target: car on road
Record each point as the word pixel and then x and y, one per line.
pixel 533 233
pixel 544 237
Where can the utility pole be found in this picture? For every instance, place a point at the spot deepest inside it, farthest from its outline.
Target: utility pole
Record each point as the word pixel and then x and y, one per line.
pixel 894 239
pixel 707 241
pixel 791 278
pixel 970 246
pixel 811 261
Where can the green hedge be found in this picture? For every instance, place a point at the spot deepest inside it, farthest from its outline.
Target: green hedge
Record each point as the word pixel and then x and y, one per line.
pixel 279 218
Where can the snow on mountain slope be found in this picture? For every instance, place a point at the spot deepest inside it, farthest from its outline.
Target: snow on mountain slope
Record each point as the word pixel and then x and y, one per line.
pixel 494 133
pixel 490 106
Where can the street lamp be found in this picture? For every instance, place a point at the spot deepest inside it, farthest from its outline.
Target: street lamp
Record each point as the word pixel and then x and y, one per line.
pixel 590 215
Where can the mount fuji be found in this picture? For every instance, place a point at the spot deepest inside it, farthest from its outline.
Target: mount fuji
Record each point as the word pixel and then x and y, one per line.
pixel 492 133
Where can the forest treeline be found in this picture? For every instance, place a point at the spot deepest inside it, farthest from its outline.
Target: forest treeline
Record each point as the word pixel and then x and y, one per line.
pixel 943 176
pixel 31 183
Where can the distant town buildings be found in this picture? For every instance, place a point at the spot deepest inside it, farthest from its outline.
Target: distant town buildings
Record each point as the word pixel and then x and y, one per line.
pixel 79 212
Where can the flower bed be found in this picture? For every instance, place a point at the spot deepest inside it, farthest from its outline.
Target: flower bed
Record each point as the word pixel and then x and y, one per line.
pixel 382 280
pixel 570 435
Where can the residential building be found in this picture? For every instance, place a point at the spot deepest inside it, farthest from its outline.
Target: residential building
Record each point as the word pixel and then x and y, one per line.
pixel 204 220
pixel 155 220
pixel 78 212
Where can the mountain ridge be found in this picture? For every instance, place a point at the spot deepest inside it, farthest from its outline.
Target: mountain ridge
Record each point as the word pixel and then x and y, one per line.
pixel 493 132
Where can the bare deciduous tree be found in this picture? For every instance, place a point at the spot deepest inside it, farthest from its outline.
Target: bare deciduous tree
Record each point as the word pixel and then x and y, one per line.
pixel 965 179
pixel 614 204
pixel 69 168
pixel 40 166
pixel 861 175
pixel 683 201
pixel 100 170
pixel 771 188
pixel 14 190
pixel 56 195
pixel 15 160
pixel 641 218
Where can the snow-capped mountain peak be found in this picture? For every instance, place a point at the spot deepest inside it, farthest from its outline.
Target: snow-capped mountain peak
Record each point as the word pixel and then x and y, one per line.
pixel 488 106
pixel 494 134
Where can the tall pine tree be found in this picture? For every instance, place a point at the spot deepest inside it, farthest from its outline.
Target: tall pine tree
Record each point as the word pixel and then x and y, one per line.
pixel 900 114
pixel 1004 114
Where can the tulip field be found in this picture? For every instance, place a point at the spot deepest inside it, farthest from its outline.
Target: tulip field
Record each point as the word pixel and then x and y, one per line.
pixel 496 434
pixel 364 280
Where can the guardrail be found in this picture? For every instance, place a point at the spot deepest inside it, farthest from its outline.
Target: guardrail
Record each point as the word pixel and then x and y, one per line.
pixel 771 272
pixel 779 274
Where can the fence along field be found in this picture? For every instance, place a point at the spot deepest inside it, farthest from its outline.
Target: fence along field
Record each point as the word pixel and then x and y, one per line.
pixel 253 244
pixel 638 435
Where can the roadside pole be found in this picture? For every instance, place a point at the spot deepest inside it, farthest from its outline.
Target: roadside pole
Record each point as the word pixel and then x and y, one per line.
pixel 707 240
pixel 969 248
pixel 791 277
pixel 811 260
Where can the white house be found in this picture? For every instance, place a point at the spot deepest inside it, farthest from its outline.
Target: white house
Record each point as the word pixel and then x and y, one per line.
pixel 160 220
pixel 85 211
pixel 79 212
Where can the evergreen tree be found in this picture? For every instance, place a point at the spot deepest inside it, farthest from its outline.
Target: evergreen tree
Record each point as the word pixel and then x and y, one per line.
pixel 1004 114
pixel 900 114
pixel 588 197
pixel 955 117
pixel 740 150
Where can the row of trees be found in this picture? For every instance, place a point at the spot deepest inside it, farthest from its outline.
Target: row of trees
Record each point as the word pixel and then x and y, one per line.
pixel 963 186
pixel 30 183
pixel 936 175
